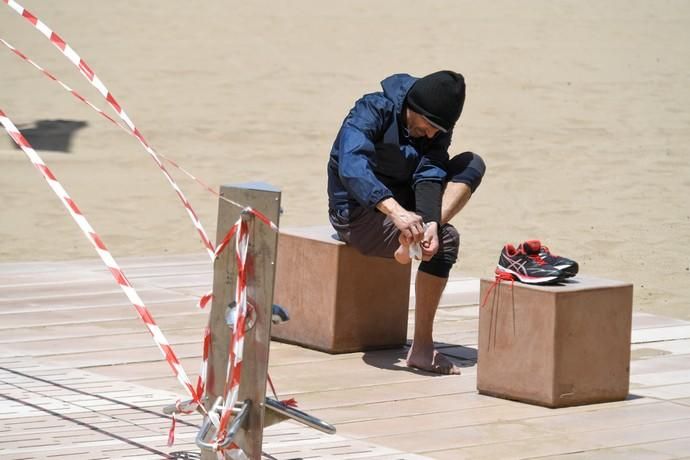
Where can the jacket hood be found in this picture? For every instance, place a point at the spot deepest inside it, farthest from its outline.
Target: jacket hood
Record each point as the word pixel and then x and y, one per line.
pixel 396 88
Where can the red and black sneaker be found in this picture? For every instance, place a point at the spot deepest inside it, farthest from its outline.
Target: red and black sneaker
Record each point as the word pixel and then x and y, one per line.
pixel 527 268
pixel 567 266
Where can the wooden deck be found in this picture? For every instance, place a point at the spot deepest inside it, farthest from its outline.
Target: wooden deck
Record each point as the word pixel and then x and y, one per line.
pixel 80 378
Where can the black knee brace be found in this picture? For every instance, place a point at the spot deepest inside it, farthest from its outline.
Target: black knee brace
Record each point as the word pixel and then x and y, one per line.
pixel 467 168
pixel 438 268
pixel 447 255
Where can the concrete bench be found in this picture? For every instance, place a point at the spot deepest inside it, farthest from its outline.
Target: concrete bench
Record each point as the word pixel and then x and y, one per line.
pixel 338 300
pixel 555 345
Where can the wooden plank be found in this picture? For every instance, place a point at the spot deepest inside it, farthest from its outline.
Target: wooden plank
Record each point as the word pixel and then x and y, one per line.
pixel 92 300
pixel 628 415
pixel 665 363
pixel 87 315
pixel 125 356
pixel 449 438
pixel 671 449
pixel 662 378
pixel 394 392
pixel 657 334
pixel 674 347
pixel 649 321
pixel 381 412
pixel 261 259
pixel 38 347
pixel 666 392
pixel 13 268
pixel 52 290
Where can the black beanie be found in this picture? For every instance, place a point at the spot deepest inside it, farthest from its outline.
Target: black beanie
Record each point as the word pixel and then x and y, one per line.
pixel 439 97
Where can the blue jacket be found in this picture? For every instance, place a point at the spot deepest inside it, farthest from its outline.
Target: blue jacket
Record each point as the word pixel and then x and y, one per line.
pixel 372 156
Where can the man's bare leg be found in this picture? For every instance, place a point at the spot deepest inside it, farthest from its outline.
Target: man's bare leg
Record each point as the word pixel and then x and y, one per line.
pixel 428 291
pixel 422 355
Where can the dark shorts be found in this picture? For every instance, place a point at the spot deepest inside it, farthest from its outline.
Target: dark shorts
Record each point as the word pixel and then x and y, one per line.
pixel 373 233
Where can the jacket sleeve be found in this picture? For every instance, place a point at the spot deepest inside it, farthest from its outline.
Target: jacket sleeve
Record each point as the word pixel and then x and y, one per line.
pixel 363 126
pixel 429 178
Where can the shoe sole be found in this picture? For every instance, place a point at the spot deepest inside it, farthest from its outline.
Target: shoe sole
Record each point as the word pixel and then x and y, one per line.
pixel 530 279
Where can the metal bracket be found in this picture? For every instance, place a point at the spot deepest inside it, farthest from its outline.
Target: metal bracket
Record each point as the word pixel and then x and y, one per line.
pixel 285 412
pixel 240 412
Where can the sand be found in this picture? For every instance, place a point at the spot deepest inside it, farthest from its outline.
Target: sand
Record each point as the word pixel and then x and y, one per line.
pixel 580 109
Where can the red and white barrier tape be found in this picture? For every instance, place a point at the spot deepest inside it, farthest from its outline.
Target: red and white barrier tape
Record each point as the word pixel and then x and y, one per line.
pixel 103 253
pixel 64 86
pixel 240 230
pixel 236 349
pixel 181 407
pixel 201 382
pixel 292 402
pixel 97 83
pixel 229 235
pixel 205 299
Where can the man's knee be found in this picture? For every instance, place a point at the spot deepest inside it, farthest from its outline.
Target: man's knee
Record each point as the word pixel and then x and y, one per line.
pixel 450 243
pixel 447 255
pixel 467 168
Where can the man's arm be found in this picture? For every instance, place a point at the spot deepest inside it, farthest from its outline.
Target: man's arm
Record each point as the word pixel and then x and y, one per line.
pixel 428 196
pixel 428 200
pixel 356 149
pixel 428 190
pixel 429 177
pixel 363 125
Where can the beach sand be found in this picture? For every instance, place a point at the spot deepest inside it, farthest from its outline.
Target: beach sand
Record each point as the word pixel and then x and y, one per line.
pixel 581 111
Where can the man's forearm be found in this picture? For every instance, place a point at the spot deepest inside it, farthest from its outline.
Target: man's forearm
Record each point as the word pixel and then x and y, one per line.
pixel 389 206
pixel 428 197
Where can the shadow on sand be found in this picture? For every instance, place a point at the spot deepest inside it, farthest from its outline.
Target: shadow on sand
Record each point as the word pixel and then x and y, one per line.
pixel 53 135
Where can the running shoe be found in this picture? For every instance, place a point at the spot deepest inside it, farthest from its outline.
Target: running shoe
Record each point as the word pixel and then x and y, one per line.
pixel 567 266
pixel 527 268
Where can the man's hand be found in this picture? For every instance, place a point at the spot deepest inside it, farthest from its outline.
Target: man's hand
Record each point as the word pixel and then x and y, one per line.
pixel 430 243
pixel 411 225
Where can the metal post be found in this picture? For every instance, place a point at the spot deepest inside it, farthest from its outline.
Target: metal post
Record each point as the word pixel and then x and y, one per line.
pixel 261 261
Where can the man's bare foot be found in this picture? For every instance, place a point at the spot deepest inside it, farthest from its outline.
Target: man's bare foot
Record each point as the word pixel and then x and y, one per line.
pixel 402 254
pixel 431 362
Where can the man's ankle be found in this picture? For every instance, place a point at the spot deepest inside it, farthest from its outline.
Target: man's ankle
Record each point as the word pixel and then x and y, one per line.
pixel 422 344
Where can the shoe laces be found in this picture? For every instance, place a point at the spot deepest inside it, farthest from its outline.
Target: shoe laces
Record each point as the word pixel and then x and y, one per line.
pixel 545 250
pixel 535 257
pixel 500 276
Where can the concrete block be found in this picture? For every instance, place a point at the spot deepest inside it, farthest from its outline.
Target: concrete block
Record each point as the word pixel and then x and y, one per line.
pixel 555 345
pixel 338 300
